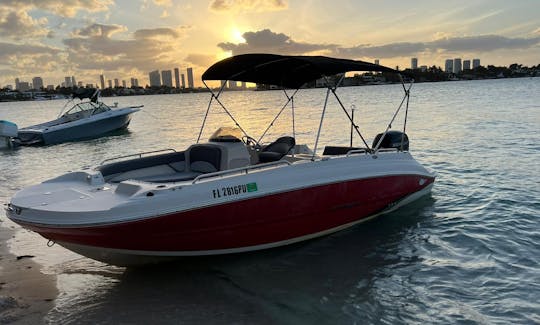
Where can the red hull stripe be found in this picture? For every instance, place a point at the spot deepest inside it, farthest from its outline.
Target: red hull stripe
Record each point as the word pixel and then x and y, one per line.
pixel 257 221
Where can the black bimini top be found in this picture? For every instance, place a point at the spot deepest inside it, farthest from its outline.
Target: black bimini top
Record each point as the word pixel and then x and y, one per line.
pixel 83 93
pixel 283 70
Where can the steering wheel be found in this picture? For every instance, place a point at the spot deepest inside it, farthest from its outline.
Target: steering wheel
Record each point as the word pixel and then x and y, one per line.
pixel 249 141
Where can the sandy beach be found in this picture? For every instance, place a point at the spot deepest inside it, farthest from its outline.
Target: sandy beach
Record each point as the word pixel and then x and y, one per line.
pixel 26 294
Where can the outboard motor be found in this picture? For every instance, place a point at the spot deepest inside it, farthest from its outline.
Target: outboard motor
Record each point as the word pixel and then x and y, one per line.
pixel 392 139
pixel 8 130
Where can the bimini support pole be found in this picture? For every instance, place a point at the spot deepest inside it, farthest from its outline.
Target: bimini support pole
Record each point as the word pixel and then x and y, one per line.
pixel 216 98
pixel 405 99
pixel 320 124
pixel 289 99
pixel 292 109
pixel 209 105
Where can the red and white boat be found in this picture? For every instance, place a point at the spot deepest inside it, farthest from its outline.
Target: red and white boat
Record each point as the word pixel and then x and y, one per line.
pixel 231 194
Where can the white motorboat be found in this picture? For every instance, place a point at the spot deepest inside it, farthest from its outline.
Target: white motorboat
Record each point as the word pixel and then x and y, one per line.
pixel 230 194
pixel 87 119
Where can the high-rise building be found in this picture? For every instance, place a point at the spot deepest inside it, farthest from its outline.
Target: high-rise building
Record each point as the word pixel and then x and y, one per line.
pixel 155 79
pixel 166 78
pixel 79 84
pixel 102 80
pixel 466 64
pixel 73 83
pixel 449 66
pixel 414 63
pixel 124 83
pixel 475 63
pixel 37 83
pixel 190 78
pixel 133 82
pixel 176 78
pixel 457 65
pixel 110 83
pixel 183 81
pixel 116 83
pixel 17 81
pixel 24 86
pixel 67 82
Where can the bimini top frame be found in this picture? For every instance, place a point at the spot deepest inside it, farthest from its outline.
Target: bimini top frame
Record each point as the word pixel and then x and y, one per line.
pixel 292 72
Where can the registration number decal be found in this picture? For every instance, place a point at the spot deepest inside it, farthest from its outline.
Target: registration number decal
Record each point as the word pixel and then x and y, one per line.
pixel 234 190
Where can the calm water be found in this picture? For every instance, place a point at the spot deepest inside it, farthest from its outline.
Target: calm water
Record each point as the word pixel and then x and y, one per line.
pixel 469 253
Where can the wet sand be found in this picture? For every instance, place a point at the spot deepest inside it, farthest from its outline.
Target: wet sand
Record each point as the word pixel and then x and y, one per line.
pixel 26 294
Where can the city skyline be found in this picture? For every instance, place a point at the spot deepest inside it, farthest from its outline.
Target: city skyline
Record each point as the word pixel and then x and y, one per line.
pixel 127 39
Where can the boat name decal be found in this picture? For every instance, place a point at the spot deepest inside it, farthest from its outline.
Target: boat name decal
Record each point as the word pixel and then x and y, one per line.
pixel 234 190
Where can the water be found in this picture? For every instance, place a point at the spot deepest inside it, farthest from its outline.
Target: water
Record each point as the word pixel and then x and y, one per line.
pixel 469 253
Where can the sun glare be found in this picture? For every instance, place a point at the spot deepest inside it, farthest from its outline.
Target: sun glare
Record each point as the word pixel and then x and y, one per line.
pixel 236 36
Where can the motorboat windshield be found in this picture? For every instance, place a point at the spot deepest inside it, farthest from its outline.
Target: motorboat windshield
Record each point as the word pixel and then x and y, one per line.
pixel 86 109
pixel 226 134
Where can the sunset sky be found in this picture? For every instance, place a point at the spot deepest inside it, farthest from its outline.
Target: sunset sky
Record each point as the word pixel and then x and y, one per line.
pixel 128 38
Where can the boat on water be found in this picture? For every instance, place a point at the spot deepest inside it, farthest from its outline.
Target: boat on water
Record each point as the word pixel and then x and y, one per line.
pixel 232 193
pixel 89 118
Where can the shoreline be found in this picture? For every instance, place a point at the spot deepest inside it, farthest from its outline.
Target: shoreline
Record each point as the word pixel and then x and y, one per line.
pixel 26 294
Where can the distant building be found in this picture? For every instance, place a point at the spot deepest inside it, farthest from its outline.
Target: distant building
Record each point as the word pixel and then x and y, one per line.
pixel 475 63
pixel 232 84
pixel 50 87
pixel 79 84
pixel 155 79
pixel 67 82
pixel 449 66
pixel 177 78
pixel 224 84
pixel 102 80
pixel 110 83
pixel 466 64
pixel 190 78
pixel 17 83
pixel 134 83
pixel 423 68
pixel 243 85
pixel 124 83
pixel 116 84
pixel 457 65
pixel 89 85
pixel 24 86
pixel 414 63
pixel 73 83
pixel 376 61
pixel 166 78
pixel 183 81
pixel 37 83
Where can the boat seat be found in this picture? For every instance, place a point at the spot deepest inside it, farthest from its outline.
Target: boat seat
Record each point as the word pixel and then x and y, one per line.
pixel 276 150
pixel 204 158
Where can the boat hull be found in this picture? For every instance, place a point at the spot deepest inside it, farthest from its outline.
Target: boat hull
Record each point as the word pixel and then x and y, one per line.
pixel 239 226
pixel 77 130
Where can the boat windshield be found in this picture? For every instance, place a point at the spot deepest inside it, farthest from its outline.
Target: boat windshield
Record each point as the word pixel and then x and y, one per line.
pixel 226 134
pixel 88 108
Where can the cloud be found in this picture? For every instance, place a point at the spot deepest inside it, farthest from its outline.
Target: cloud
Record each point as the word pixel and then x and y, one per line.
pixel 99 30
pixel 248 5
pixel 94 48
pixel 24 58
pixel 201 60
pixel 481 43
pixel 269 42
pixel 163 3
pixel 19 25
pixel 65 8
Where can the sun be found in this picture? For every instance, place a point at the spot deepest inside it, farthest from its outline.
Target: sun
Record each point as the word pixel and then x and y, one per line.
pixel 236 35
